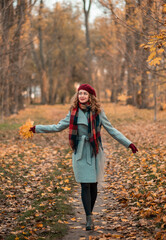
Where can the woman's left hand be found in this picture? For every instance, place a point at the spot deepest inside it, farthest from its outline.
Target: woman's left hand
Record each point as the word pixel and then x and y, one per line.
pixel 32 129
pixel 133 148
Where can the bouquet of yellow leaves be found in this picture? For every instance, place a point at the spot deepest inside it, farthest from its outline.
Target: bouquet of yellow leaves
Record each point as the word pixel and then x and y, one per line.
pixel 24 130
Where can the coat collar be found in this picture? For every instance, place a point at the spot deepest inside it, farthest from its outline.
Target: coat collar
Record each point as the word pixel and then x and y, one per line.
pixel 82 119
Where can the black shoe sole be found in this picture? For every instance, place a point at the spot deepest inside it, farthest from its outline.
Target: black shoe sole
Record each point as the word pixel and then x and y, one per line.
pixel 89 228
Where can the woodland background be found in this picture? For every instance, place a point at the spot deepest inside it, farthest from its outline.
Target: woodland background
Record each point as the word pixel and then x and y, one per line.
pixel 45 53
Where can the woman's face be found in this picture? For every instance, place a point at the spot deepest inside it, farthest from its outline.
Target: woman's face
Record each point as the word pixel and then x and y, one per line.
pixel 83 96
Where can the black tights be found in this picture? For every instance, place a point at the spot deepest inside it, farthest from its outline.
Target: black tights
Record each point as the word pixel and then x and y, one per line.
pixel 88 195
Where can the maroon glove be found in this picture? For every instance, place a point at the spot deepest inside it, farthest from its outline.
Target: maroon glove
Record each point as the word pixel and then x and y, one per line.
pixel 32 129
pixel 133 148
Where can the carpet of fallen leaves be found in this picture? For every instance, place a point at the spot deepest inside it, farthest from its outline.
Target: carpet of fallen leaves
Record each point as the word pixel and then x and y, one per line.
pixel 36 178
pixel 137 181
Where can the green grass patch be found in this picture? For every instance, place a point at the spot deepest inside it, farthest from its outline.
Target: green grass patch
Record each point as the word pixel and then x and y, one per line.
pixel 9 126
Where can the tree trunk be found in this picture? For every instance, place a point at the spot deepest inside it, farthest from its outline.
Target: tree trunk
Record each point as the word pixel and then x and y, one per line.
pixel 129 51
pixel 7 21
pixel 89 53
pixel 44 80
pixel 40 61
pixel 146 21
pixel 51 80
pixel 155 98
pixel 15 86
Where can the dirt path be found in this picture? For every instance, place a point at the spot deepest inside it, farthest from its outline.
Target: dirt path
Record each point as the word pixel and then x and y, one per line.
pixel 112 220
pixel 77 224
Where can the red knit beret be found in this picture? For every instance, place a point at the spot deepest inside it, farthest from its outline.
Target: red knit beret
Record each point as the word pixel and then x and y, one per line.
pixel 87 88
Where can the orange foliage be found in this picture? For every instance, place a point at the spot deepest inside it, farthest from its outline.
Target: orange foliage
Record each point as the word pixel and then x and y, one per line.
pixel 24 130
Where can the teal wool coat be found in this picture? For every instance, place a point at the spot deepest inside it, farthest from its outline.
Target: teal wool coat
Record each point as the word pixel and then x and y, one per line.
pixel 86 166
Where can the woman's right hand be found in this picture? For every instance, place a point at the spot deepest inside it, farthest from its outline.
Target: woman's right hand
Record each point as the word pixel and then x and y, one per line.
pixel 32 129
pixel 133 148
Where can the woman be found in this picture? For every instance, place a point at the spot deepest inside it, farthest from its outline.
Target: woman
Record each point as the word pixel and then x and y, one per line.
pixel 84 120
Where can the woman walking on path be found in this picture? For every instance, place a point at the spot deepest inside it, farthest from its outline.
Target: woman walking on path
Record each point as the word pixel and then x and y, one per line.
pixel 84 120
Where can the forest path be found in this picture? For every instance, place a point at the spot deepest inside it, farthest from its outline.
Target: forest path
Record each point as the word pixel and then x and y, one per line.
pixel 77 224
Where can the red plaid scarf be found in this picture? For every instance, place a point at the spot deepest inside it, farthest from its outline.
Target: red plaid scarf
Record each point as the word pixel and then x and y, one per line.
pixel 93 128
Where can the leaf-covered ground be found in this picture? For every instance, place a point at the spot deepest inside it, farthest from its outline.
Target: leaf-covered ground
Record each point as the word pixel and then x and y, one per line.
pixel 36 178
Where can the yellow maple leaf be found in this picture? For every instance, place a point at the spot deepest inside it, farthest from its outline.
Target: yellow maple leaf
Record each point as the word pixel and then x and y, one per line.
pixel 164 8
pixel 67 181
pixel 155 61
pixel 24 130
pixel 60 221
pixel 164 218
pixel 39 225
pixel 151 56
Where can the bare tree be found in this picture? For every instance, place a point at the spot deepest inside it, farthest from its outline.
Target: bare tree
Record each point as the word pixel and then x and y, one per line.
pixel 88 44
pixel 11 91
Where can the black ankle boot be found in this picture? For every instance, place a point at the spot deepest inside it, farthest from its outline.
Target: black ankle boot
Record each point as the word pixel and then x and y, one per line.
pixel 89 223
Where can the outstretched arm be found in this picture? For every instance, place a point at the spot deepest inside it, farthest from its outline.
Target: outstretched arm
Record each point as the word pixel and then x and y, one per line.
pixel 63 124
pixel 115 133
